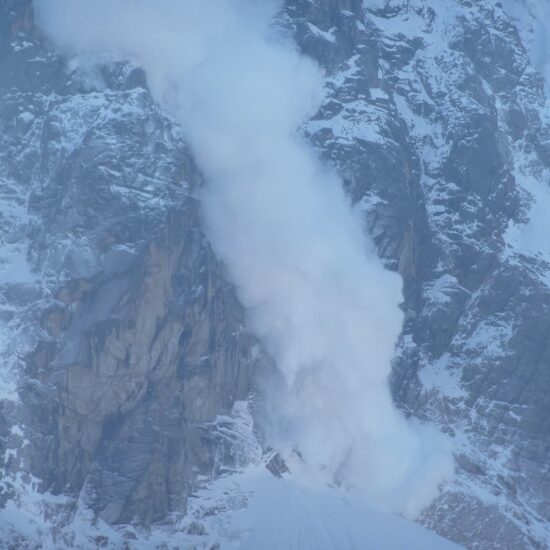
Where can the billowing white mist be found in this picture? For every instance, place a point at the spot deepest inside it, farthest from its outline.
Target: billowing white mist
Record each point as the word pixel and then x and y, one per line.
pixel 316 294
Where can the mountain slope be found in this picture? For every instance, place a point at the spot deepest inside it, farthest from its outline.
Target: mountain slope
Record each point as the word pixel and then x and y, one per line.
pixel 121 341
pixel 437 118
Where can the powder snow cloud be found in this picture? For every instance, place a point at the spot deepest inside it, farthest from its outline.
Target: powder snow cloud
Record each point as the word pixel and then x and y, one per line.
pixel 316 294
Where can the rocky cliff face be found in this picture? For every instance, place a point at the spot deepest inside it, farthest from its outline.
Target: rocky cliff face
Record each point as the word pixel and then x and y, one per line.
pixel 121 342
pixel 120 336
pixel 438 121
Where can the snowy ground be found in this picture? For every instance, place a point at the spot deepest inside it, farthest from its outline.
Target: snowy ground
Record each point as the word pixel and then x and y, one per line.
pixel 247 511
pixel 284 514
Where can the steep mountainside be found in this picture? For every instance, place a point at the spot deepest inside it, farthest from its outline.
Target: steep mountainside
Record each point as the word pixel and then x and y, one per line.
pixel 123 349
pixel 120 337
pixel 437 119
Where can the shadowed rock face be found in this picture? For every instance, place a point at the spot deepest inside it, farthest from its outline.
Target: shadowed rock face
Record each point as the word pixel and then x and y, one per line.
pixel 140 360
pixel 126 337
pixel 134 338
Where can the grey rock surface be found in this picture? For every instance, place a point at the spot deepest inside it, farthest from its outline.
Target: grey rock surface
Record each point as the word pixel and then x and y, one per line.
pixel 133 338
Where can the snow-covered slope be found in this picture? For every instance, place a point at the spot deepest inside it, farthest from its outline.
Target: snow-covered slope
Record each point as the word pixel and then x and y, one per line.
pixel 273 514
pixel 247 511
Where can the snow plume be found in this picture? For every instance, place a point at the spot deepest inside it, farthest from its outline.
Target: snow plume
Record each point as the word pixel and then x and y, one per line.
pixel 316 294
